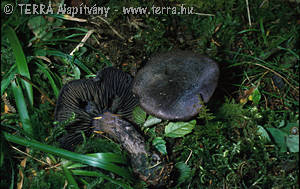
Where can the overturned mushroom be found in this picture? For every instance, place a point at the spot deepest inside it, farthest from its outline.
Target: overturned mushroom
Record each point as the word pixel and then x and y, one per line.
pixel 172 85
pixel 88 98
pixel 105 103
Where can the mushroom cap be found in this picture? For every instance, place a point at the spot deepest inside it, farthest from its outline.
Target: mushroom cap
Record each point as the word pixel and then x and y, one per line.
pixel 171 84
pixel 109 91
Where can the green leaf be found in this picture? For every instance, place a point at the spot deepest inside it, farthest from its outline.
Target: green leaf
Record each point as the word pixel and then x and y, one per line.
pixel 185 172
pixel 288 128
pixel 256 96
pixel 292 142
pixel 263 133
pixel 279 138
pixel 20 60
pixel 281 124
pixel 151 120
pixel 284 137
pixel 21 107
pixel 160 144
pixel 75 69
pixel 139 115
pixel 179 129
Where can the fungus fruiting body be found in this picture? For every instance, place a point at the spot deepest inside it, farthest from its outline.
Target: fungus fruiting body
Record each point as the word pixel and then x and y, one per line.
pixel 147 165
pixel 105 103
pixel 87 98
pixel 171 85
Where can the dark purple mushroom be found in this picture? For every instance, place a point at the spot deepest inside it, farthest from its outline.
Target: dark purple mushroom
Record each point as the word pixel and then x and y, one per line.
pixel 110 91
pixel 105 103
pixel 147 165
pixel 171 85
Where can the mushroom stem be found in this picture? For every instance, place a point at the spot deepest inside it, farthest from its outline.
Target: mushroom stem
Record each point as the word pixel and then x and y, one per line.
pixel 145 164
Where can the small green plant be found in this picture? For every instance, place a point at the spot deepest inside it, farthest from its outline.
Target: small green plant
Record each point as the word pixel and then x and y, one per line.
pixel 204 112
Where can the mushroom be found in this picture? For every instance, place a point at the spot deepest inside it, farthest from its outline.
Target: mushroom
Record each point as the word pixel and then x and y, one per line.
pixel 105 103
pixel 172 85
pixel 88 98
pixel 147 165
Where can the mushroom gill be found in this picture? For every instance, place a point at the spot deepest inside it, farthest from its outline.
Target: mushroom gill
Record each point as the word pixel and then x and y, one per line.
pixel 105 103
pixel 110 91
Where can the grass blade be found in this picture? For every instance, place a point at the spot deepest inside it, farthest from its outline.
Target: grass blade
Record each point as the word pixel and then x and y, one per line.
pixel 71 181
pixel 20 60
pixel 99 174
pixel 261 24
pixel 71 28
pixel 110 157
pixel 21 106
pixel 40 90
pixel 6 80
pixel 69 59
pixel 47 72
pixel 84 159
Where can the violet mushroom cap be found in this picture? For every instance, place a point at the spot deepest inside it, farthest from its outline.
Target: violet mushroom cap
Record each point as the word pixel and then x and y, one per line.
pixel 171 85
pixel 109 91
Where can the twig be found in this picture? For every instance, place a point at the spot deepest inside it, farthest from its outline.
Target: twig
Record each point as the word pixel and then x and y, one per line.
pixel 258 180
pixel 157 164
pixel 277 75
pixel 68 17
pixel 40 90
pixel 189 156
pixel 44 58
pixel 54 166
pixel 21 174
pixel 42 162
pixel 262 4
pixel 248 12
pixel 203 14
pixel 266 101
pixel 85 38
